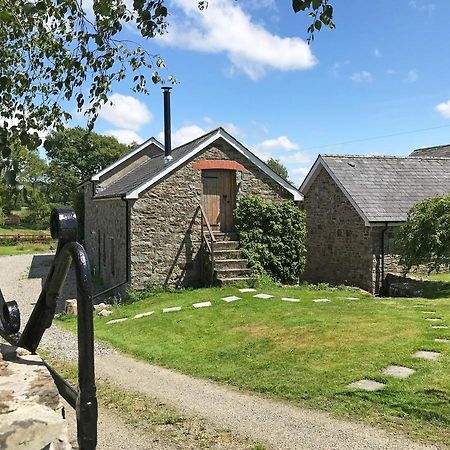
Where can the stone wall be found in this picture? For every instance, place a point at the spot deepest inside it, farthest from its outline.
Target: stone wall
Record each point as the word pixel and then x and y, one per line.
pixel 106 237
pixel 339 245
pixel 31 414
pixel 166 221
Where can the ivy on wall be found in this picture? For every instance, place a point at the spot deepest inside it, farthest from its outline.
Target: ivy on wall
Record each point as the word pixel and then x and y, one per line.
pixel 272 236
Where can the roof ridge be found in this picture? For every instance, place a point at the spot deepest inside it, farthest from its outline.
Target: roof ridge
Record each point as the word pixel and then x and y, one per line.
pixel 432 147
pixel 407 157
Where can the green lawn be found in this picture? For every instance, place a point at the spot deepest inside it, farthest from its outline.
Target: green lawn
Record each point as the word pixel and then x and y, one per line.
pixel 25 248
pixel 20 230
pixel 305 353
pixel 445 277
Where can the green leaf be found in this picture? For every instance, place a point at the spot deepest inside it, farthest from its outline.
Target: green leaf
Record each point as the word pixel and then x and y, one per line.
pixel 6 152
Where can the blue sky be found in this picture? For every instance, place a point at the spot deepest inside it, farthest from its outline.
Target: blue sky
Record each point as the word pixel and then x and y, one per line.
pixel 244 65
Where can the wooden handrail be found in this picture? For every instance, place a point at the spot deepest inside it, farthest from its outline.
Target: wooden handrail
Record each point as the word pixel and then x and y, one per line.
pixel 208 244
pixel 208 226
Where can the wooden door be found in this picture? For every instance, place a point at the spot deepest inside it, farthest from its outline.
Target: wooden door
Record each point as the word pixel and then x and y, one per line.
pixel 218 198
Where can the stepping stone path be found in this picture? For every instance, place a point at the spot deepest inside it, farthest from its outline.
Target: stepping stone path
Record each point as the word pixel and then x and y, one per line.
pixel 146 314
pixel 201 305
pixel 425 354
pixel 264 296
pixel 247 290
pixel 428 312
pixel 367 385
pixel 444 341
pixel 434 319
pixel 172 309
pixel 288 299
pixel 397 371
pixel 440 327
pixel 352 298
pixel 419 306
pixel 321 300
pixel 230 299
pixel 116 321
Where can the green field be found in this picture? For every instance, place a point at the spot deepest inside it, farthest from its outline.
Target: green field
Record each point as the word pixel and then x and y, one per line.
pixel 21 230
pixel 25 248
pixel 445 277
pixel 305 353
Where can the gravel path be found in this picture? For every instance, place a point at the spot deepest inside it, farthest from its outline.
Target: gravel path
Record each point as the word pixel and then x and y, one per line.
pixel 276 424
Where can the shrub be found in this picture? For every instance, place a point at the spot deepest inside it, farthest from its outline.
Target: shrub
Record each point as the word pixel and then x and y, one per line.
pixel 40 209
pixel 272 236
pixel 425 236
pixel 2 217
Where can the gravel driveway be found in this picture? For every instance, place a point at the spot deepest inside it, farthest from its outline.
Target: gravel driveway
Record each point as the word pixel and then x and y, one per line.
pixel 276 424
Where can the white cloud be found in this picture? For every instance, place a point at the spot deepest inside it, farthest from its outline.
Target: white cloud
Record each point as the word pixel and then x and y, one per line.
pixel 362 77
pixel 422 7
pixel 391 72
pixel 126 112
pixel 298 175
pixel 126 137
pixel 444 109
pixel 261 4
pixel 337 67
pixel 230 127
pixel 225 28
pixel 412 76
pixel 296 158
pixel 265 149
pixel 377 53
pixel 183 135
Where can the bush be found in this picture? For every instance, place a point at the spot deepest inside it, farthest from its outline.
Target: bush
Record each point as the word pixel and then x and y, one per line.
pixel 272 236
pixel 2 217
pixel 425 237
pixel 40 210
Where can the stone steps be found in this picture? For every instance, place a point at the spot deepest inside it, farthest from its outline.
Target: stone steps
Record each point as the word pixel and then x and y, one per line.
pixel 226 281
pixel 225 236
pixel 225 264
pixel 232 273
pixel 225 245
pixel 230 265
pixel 227 254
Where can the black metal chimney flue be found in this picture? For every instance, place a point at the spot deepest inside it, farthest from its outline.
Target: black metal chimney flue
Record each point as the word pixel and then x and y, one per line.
pixel 167 127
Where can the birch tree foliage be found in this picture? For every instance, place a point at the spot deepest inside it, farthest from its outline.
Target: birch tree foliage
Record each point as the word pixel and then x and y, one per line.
pixel 57 53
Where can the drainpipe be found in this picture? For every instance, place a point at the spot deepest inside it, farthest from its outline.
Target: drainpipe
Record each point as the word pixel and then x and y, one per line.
pixel 383 231
pixel 167 126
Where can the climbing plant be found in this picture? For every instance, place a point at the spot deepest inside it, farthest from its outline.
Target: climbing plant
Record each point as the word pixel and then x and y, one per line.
pixel 272 236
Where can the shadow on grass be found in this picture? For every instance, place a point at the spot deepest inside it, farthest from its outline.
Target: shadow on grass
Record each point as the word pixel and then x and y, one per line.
pixel 433 289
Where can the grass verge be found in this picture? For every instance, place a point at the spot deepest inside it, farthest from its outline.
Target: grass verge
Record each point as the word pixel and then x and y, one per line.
pixel 305 352
pixel 25 248
pixel 152 417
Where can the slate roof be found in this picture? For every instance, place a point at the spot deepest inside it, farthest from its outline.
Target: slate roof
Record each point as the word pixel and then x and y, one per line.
pixel 147 170
pixel 441 151
pixel 385 188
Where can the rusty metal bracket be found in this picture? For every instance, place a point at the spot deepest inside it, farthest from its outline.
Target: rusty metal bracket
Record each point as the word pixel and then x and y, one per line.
pixel 68 254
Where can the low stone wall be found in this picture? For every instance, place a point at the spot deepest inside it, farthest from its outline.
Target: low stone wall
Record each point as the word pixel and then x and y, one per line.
pixel 400 286
pixel 31 414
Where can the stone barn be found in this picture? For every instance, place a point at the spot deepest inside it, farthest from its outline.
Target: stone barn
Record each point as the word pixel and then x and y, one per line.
pixel 355 204
pixel 151 217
